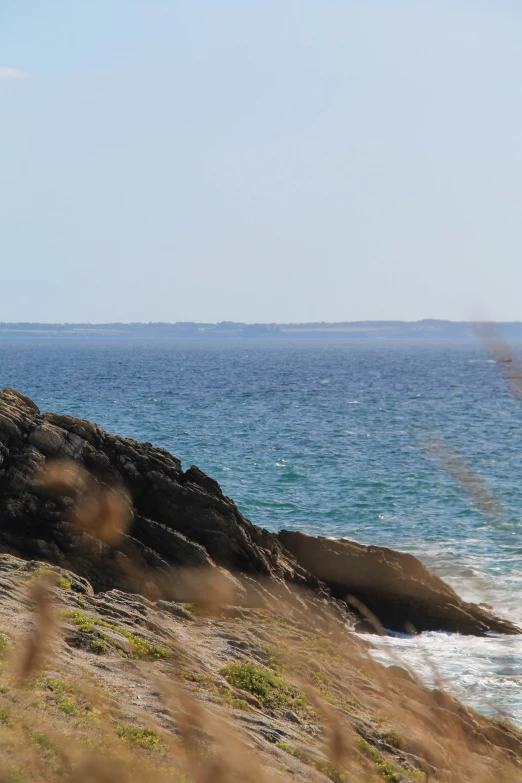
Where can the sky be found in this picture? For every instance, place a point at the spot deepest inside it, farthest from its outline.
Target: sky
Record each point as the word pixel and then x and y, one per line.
pixel 260 160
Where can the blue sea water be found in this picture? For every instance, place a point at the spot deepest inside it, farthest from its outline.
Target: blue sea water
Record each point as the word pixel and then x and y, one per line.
pixel 329 437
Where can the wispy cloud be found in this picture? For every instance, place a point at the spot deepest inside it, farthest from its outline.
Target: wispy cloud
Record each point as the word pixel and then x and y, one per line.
pixel 11 73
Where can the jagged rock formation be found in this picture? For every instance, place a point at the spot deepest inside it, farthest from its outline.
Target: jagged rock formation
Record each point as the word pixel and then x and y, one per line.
pixel 182 519
pixel 179 518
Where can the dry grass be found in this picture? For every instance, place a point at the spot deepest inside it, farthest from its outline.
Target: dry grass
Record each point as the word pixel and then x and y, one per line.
pixel 335 713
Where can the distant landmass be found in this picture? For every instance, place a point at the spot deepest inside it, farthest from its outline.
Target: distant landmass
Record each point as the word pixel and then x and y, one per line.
pixel 411 330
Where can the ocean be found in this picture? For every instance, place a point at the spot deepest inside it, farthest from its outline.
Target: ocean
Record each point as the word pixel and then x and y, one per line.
pixel 329 437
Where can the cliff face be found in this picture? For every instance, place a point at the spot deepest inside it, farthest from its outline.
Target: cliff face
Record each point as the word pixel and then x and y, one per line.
pixel 181 519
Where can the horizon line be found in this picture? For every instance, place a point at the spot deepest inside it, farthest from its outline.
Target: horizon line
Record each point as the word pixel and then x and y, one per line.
pixel 261 323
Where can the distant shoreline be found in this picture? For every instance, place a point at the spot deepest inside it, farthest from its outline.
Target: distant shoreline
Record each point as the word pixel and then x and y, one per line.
pixel 411 330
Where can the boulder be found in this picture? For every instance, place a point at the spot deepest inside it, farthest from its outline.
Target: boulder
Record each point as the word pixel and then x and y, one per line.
pixel 396 588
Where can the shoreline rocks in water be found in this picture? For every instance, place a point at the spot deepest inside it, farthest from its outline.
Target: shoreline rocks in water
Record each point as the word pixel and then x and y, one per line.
pixel 394 586
pixel 181 519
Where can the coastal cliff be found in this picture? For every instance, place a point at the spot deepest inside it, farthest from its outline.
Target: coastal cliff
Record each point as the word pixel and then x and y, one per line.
pixel 181 520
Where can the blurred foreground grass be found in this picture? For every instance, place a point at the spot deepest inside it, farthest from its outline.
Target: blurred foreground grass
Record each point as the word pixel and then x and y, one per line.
pixel 235 695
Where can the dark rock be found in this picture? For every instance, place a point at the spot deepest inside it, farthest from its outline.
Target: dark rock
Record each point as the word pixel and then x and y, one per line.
pixel 395 587
pixel 180 519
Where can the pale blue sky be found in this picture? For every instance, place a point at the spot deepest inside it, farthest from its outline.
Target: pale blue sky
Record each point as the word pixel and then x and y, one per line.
pixel 292 160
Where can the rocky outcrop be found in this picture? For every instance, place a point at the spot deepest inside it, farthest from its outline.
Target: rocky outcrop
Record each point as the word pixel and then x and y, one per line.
pixel 395 587
pixel 181 519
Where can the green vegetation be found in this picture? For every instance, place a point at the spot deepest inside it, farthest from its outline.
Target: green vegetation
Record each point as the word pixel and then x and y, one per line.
pixel 416 775
pixel 386 769
pixel 84 623
pixel 98 647
pixel 4 648
pixel 61 581
pixel 336 775
pixel 42 571
pixel 143 738
pixel 5 717
pixel 71 700
pixel 140 647
pixel 322 681
pixel 270 688
pixel 206 683
pixel 47 747
pixel 59 686
pixel 393 739
pixel 275 658
pixel 227 697
pixel 68 706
